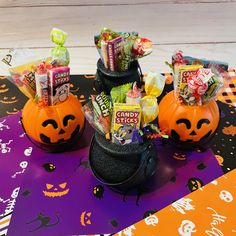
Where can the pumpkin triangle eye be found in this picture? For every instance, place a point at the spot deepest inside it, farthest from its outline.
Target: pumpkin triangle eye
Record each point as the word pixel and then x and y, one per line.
pixel 49 186
pixel 63 185
pixel 88 222
pixel 89 214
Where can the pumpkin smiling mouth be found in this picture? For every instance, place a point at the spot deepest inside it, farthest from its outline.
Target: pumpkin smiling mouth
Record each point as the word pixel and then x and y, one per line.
pixel 8 101
pixel 176 136
pixel 45 139
pixel 55 194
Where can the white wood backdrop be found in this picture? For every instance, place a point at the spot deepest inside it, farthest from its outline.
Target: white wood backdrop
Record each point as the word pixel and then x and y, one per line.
pixel 204 28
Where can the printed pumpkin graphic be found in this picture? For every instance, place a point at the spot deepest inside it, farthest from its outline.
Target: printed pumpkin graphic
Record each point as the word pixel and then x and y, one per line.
pixel 194 184
pixel 56 191
pixel 53 124
pixel 9 100
pixel 85 218
pixel 188 124
pixel 3 88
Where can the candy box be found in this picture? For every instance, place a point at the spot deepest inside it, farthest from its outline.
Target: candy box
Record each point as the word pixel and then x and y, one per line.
pixel 183 73
pixel 125 121
pixel 59 84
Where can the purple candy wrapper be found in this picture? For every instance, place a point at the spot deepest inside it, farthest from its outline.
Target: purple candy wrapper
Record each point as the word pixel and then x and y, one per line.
pixel 114 48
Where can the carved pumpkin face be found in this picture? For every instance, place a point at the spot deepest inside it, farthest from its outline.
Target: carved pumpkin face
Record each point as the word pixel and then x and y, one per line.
pixel 56 191
pixel 188 124
pixel 53 124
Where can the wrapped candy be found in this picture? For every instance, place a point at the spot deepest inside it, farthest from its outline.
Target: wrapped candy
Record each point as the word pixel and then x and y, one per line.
pixel 184 75
pixel 142 47
pixel 134 95
pixel 126 55
pixel 23 76
pixel 196 80
pixel 98 113
pixel 154 86
pixel 59 52
pixel 118 49
pixel 118 94
pixel 196 85
pixel 41 79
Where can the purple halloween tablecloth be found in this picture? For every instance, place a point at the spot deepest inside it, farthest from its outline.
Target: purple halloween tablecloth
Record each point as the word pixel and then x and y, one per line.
pixel 56 194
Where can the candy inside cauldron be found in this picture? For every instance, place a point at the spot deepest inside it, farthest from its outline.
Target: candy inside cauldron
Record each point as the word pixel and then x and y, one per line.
pixel 106 79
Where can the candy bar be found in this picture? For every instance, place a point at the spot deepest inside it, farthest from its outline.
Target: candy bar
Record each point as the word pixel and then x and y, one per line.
pixel 102 112
pixel 104 53
pixel 114 48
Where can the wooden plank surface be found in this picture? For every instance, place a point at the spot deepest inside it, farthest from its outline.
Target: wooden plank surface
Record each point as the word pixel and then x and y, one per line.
pixel 164 24
pixel 83 60
pixel 33 3
pixel 200 28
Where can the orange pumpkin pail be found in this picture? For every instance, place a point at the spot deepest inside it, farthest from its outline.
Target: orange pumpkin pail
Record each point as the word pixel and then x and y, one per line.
pixel 188 125
pixel 53 125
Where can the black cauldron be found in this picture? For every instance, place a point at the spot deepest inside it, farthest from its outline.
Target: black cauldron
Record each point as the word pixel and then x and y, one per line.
pixel 122 167
pixel 106 79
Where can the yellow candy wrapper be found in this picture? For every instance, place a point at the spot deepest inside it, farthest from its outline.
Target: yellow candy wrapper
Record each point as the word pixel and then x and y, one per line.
pixel 154 85
pixel 23 76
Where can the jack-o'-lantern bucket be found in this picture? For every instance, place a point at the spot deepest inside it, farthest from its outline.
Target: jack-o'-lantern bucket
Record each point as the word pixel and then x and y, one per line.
pixel 188 126
pixel 55 128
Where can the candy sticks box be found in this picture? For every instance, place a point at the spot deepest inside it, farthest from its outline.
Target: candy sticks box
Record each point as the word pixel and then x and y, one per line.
pixel 59 84
pixel 125 122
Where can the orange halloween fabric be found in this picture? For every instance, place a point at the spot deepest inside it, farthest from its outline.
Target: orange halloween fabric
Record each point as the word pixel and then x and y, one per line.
pixel 210 211
pixel 228 94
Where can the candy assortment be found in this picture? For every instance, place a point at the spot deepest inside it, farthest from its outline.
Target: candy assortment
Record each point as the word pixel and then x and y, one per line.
pixel 47 80
pixel 125 116
pixel 196 81
pixel 118 49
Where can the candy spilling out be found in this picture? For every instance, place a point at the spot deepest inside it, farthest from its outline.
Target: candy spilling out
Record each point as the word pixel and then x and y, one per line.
pixel 196 81
pixel 45 80
pixel 125 117
pixel 118 49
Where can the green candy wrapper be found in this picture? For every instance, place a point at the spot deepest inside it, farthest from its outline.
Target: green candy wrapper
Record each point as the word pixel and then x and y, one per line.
pixel 214 85
pixel 118 94
pixel 60 53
